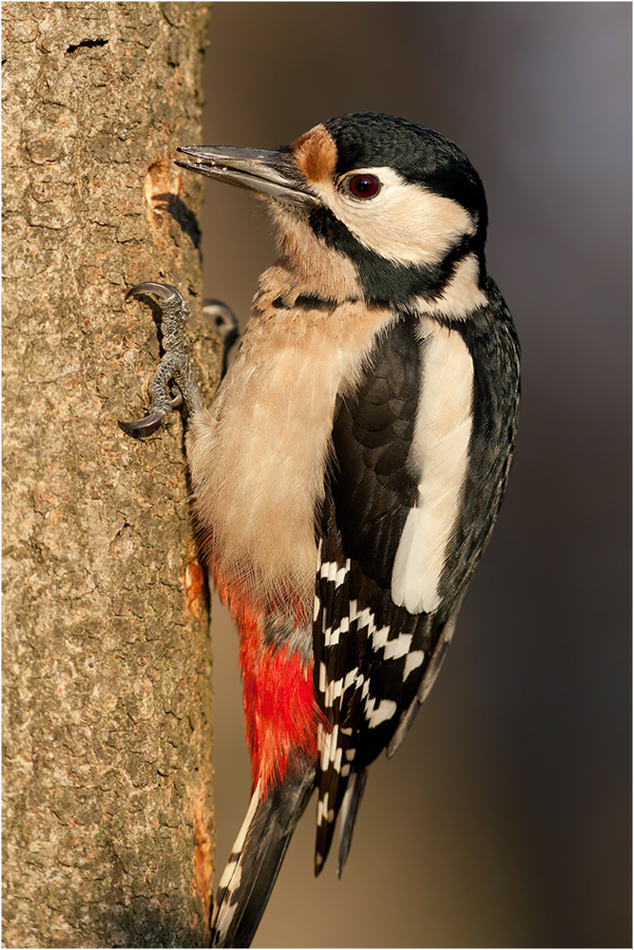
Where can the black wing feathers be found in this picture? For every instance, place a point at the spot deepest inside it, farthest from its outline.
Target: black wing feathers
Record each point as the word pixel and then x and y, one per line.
pixel 369 492
pixel 372 487
pixel 375 662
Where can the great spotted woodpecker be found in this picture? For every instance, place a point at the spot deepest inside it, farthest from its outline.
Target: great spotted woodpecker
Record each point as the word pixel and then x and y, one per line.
pixel 349 470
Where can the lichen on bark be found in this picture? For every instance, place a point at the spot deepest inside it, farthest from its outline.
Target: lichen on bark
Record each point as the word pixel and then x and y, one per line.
pixel 107 818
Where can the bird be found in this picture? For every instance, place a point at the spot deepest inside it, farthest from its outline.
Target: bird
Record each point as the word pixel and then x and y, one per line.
pixel 348 472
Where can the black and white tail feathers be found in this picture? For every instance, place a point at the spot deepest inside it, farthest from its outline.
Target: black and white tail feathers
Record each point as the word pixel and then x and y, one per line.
pixel 254 863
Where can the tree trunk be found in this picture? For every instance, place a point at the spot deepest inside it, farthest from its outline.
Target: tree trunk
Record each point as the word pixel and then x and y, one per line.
pixel 107 691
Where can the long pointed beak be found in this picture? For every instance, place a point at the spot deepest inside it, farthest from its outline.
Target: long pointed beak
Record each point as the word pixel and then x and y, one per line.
pixel 268 172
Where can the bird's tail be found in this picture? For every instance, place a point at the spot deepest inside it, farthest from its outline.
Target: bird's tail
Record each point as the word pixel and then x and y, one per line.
pixel 253 865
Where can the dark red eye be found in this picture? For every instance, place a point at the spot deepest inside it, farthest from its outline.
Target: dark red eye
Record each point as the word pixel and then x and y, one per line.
pixel 363 186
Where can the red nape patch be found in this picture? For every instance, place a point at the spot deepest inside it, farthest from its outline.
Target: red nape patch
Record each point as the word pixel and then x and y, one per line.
pixel 281 715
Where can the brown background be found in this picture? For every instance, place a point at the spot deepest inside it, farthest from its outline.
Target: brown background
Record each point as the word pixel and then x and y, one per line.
pixel 504 818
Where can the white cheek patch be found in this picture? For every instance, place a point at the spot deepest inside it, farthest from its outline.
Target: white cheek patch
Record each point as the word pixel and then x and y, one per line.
pixel 440 450
pixel 404 222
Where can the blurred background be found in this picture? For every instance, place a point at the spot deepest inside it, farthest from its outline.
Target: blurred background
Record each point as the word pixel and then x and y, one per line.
pixel 504 819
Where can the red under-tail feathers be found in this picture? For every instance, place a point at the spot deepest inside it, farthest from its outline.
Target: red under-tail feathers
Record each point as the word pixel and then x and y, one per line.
pixel 281 714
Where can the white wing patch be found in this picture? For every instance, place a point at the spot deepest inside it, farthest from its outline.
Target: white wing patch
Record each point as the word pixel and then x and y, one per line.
pixel 440 451
pixel 413 661
pixel 375 714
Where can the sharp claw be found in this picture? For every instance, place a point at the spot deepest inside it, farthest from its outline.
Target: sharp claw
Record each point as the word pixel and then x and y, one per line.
pixel 164 291
pixel 145 426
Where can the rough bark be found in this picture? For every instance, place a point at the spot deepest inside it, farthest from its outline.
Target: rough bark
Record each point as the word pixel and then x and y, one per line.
pixel 107 774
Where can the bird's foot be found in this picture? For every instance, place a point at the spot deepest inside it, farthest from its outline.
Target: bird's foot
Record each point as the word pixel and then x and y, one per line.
pixel 175 365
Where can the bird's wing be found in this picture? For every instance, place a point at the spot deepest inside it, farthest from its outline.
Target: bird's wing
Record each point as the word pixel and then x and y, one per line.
pixel 435 413
pixel 370 654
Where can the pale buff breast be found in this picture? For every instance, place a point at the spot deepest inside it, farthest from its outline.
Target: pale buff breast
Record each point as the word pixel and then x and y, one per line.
pixel 258 454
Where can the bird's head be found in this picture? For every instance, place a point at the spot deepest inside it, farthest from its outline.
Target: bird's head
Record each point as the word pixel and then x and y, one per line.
pixel 394 212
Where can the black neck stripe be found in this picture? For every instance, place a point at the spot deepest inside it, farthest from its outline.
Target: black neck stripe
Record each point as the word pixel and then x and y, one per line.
pixel 315 302
pixel 385 281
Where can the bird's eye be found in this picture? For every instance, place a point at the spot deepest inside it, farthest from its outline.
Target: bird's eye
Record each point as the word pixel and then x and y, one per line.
pixel 362 186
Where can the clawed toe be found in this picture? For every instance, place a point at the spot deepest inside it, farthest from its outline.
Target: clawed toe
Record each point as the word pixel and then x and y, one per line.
pixel 165 292
pixel 143 427
pixel 174 366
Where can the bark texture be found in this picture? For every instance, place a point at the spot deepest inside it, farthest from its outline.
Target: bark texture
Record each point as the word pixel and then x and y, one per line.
pixel 107 693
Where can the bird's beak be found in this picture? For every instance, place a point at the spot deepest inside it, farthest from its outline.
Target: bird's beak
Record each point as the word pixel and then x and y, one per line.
pixel 269 172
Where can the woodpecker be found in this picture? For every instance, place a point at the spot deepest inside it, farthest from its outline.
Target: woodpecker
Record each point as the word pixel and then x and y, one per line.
pixel 348 473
